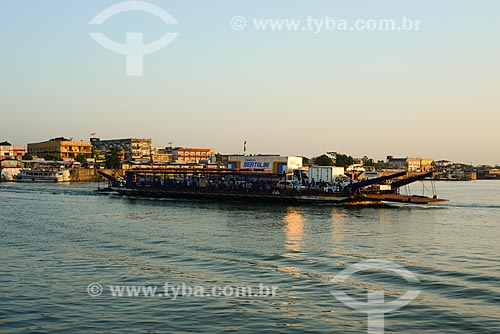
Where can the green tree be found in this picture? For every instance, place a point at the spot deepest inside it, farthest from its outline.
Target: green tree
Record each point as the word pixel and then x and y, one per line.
pixel 27 156
pixel 52 157
pixel 368 161
pixel 380 164
pixel 343 160
pixel 81 158
pixel 113 158
pixel 323 160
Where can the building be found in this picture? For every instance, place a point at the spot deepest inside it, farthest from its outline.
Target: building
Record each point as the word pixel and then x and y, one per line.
pixel 18 151
pixel 427 164
pixel 133 149
pixel 7 150
pixel 419 165
pixel 60 148
pixel 413 164
pixel 396 163
pixel 160 155
pixel 443 163
pixel 494 172
pixel 191 155
pixel 266 163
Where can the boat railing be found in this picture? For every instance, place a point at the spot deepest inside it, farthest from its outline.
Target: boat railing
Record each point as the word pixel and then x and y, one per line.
pixel 227 187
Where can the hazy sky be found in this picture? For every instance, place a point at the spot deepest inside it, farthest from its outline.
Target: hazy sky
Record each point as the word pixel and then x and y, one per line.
pixel 430 93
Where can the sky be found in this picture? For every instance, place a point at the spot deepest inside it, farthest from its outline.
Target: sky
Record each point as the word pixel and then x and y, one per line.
pixel 427 93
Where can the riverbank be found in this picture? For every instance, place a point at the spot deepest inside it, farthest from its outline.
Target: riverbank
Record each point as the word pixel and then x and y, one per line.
pixel 91 175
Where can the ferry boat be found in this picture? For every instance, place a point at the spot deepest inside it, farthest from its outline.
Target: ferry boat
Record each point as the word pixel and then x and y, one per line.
pixel 51 175
pixel 253 186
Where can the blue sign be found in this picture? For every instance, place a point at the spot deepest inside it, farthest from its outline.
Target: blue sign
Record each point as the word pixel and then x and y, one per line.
pixel 256 164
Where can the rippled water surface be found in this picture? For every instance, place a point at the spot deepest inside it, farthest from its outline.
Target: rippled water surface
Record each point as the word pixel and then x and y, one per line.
pixel 56 239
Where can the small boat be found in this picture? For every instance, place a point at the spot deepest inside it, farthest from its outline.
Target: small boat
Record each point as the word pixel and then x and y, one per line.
pixel 52 175
pixel 7 174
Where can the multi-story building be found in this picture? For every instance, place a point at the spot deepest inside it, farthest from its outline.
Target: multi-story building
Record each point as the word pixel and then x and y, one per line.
pixel 133 149
pixel 419 164
pixel 7 150
pixel 18 151
pixel 62 148
pixel 413 164
pixel 427 164
pixel 396 163
pixel 160 155
pixel 191 155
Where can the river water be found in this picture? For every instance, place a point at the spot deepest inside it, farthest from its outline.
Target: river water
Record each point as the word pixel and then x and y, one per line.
pixel 57 239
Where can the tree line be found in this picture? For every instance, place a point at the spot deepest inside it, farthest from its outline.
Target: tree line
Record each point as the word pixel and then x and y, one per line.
pixel 342 160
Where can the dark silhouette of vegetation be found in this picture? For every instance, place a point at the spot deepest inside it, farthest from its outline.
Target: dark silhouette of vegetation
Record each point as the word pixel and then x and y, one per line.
pixel 380 164
pixel 113 158
pixel 323 160
pixel 52 157
pixel 81 158
pixel 368 161
pixel 343 160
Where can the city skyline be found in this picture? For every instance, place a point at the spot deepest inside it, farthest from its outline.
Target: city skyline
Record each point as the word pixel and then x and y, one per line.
pixel 243 151
pixel 427 93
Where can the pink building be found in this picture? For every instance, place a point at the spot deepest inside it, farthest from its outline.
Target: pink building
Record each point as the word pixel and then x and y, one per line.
pixel 414 164
pixel 13 152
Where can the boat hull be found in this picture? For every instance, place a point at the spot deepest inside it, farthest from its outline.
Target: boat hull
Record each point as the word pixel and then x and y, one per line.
pixel 232 196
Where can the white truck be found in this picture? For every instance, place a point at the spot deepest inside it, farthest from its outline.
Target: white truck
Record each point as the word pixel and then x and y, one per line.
pixel 325 173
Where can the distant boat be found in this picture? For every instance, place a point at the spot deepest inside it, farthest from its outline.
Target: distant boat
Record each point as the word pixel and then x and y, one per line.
pixel 7 174
pixel 55 175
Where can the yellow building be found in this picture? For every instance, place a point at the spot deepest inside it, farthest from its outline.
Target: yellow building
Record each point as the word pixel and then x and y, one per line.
pixel 62 148
pixel 427 164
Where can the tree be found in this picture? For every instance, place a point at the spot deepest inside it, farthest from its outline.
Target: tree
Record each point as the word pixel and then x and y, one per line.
pixel 27 156
pixel 218 158
pixel 368 161
pixel 323 160
pixel 52 157
pixel 305 161
pixel 343 160
pixel 81 158
pixel 113 158
pixel 380 164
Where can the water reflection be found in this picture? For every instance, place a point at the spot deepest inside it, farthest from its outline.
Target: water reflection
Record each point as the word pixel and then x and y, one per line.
pixel 338 228
pixel 294 229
